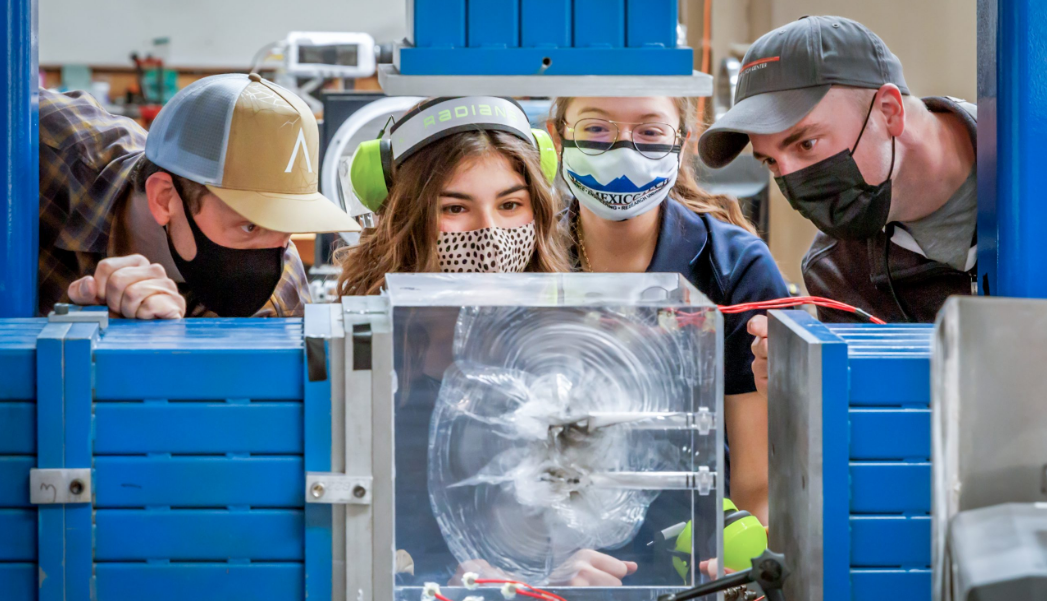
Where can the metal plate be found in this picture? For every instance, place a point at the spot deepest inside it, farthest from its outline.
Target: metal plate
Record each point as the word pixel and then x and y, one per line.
pixel 323 487
pixel 55 486
pixel 395 84
pixel 988 412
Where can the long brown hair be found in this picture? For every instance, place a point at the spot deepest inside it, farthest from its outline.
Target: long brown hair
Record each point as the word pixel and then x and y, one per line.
pixel 686 190
pixel 405 238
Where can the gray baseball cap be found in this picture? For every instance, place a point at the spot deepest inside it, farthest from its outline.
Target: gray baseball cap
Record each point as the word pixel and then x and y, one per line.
pixel 788 71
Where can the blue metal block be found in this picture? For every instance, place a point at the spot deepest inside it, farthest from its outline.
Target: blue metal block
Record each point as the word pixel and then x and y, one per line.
pixel 1012 90
pixel 18 358
pixel 881 416
pixel 651 23
pixel 201 582
pixel 909 384
pixel 436 23
pixel 19 542
pixel 493 23
pixel 599 23
pixel 19 175
pixel 896 585
pixel 229 358
pixel 889 541
pixel 879 434
pixel 14 480
pixel 197 427
pixel 545 23
pixel 17 428
pixel 195 534
pixel 318 517
pixel 198 481
pixel 548 61
pixel 891 488
pixel 18 581
pixel 835 469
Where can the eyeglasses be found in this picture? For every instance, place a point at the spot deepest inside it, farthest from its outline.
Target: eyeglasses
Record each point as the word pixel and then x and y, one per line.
pixel 596 136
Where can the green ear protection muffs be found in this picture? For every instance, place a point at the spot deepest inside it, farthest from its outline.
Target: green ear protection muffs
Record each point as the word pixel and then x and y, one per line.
pixel 744 538
pixel 371 170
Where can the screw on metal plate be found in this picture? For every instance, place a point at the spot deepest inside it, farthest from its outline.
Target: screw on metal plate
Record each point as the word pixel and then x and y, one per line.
pixel 317 490
pixel 76 487
pixel 61 308
pixel 359 492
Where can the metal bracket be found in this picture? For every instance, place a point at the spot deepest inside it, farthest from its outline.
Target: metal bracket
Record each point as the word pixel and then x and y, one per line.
pixel 705 421
pixel 705 481
pixel 58 486
pixel 337 489
pixel 66 313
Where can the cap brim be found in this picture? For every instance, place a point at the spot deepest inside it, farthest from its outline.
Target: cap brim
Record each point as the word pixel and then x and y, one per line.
pixel 768 113
pixel 288 213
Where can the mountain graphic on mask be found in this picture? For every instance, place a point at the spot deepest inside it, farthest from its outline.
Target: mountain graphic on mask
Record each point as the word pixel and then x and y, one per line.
pixel 621 184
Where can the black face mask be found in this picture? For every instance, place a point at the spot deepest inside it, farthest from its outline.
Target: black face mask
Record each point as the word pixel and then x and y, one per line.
pixel 232 282
pixel 833 194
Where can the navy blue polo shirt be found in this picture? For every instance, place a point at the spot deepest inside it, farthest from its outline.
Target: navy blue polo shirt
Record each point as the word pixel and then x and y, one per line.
pixel 729 265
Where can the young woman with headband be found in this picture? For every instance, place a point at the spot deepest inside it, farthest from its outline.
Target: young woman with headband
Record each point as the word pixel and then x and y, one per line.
pixel 638 207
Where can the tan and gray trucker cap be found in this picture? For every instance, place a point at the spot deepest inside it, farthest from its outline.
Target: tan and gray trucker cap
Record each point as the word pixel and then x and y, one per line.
pixel 255 145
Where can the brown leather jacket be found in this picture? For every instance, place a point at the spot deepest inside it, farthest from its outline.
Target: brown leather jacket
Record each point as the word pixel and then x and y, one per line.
pixel 854 272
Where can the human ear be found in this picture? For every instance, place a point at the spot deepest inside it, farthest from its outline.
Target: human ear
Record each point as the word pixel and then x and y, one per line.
pixel 555 135
pixel 162 197
pixel 892 104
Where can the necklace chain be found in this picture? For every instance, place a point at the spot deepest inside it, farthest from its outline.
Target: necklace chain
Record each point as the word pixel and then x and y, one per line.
pixel 587 265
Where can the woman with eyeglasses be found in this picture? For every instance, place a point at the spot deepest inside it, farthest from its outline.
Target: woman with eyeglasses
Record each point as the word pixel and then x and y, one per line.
pixel 638 207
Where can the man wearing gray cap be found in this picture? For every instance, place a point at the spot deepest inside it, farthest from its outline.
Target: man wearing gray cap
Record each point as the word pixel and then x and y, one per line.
pixel 889 179
pixel 193 221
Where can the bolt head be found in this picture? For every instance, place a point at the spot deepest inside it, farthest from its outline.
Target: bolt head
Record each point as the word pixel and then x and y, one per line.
pixel 76 487
pixel 359 492
pixel 317 490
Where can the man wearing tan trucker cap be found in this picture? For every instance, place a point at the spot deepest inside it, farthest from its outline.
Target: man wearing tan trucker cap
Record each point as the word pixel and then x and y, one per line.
pixel 197 225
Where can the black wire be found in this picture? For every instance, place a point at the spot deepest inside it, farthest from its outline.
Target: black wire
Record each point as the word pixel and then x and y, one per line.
pixel 890 276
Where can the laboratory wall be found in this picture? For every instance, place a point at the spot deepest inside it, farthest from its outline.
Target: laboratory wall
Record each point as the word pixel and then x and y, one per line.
pixel 203 33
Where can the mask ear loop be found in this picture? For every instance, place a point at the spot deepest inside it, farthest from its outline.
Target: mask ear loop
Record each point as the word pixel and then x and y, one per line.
pixel 864 125
pixel 894 140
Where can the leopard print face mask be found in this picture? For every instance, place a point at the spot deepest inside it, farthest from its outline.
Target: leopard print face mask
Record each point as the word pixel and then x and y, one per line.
pixel 488 250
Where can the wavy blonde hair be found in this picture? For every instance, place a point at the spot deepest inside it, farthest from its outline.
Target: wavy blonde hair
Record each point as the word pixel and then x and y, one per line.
pixel 404 240
pixel 686 190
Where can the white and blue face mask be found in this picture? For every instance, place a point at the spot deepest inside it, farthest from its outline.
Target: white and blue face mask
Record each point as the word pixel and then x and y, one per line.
pixel 620 183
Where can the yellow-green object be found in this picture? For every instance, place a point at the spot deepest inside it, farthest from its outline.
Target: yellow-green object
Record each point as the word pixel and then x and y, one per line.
pixel 744 538
pixel 683 545
pixel 367 176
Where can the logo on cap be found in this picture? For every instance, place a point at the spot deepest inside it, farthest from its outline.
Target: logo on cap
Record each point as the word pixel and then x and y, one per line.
pixel 759 64
pixel 300 143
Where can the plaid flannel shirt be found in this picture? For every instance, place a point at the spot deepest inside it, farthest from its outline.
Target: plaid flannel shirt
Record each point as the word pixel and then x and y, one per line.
pixel 87 157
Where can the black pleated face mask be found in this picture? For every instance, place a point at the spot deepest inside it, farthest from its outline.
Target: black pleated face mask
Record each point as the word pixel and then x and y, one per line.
pixel 232 282
pixel 834 196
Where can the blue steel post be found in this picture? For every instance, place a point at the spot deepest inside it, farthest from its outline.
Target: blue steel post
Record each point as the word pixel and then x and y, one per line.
pixel 19 182
pixel 50 454
pixel 79 536
pixel 1012 91
pixel 318 517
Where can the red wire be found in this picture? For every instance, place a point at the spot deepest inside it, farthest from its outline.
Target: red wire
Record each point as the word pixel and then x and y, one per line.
pixel 781 303
pixel 441 597
pixel 546 594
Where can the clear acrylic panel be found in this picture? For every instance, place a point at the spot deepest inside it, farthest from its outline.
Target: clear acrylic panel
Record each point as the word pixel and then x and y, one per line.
pixel 545 423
